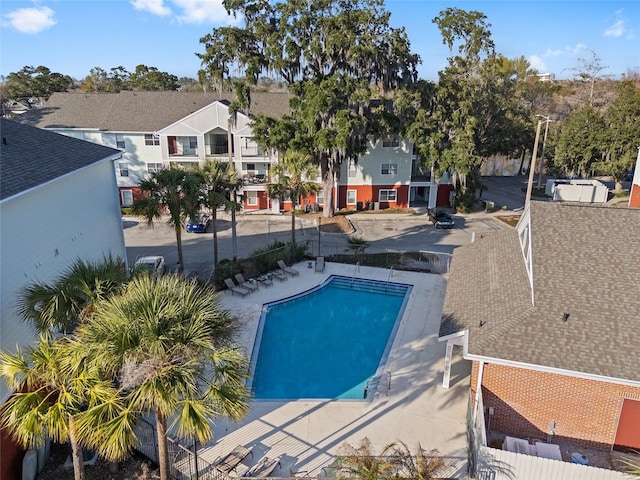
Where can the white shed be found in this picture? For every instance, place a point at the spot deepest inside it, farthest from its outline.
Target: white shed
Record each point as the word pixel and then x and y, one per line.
pixel 577 190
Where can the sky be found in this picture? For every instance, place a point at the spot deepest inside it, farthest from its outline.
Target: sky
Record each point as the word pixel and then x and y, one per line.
pixel 73 36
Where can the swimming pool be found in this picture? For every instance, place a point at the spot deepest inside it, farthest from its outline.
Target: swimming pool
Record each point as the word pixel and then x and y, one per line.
pixel 327 342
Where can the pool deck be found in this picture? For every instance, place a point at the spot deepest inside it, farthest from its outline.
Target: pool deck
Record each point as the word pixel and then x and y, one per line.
pixel 415 409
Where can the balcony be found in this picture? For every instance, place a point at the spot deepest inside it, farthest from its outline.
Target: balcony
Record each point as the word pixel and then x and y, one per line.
pixel 254 179
pixel 251 151
pixel 420 174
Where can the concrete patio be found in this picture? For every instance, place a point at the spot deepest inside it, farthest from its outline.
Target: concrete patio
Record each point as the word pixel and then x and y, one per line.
pixel 409 404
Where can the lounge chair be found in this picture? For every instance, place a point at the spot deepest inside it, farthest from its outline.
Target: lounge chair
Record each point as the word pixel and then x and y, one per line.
pixel 291 271
pixel 249 285
pixel 279 274
pixel 263 468
pixel 319 264
pixel 236 289
pixel 230 461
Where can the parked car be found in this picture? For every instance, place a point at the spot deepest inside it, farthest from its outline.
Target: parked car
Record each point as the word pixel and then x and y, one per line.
pixel 441 219
pixel 154 264
pixel 199 224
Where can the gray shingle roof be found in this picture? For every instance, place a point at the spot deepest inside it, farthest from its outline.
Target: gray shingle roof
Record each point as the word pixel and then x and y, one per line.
pixel 138 111
pixel 31 156
pixel 585 260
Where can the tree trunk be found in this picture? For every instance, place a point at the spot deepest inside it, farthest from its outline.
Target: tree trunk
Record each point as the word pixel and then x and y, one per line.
pixel 214 219
pixel 163 450
pixel 618 186
pixel 524 151
pixel 179 244
pixel 76 452
pixel 328 184
pixel 293 224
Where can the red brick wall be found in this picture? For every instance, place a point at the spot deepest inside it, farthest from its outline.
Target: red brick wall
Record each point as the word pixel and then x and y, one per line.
pixel 586 412
pixel 634 198
pixel 10 458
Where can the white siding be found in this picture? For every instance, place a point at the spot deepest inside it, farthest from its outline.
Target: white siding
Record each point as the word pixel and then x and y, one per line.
pixel 136 154
pixel 504 465
pixel 45 230
pixel 368 168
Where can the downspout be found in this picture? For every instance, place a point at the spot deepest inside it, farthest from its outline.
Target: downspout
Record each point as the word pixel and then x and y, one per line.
pixel 476 400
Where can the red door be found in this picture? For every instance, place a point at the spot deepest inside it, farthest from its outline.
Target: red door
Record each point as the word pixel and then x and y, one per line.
pixel 628 434
pixel 263 200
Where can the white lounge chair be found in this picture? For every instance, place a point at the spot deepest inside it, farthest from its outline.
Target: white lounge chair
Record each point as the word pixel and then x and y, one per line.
pixel 235 289
pixel 263 468
pixel 291 271
pixel 253 286
pixel 230 461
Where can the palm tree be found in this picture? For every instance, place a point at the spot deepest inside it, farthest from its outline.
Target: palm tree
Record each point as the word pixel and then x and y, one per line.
pixel 293 174
pixel 176 190
pixel 363 464
pixel 61 305
pixel 54 386
pixel 219 181
pixel 171 348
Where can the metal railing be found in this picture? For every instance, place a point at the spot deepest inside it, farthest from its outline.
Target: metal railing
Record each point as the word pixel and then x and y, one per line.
pixel 185 464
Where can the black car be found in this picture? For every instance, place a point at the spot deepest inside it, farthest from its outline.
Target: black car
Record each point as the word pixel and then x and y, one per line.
pixel 441 219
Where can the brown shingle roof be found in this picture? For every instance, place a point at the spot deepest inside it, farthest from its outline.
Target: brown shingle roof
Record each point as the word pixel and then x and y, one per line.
pixel 138 111
pixel 585 260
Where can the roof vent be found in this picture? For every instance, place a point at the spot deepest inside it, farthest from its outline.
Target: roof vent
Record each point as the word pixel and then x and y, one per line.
pixel 482 323
pixel 4 140
pixel 565 317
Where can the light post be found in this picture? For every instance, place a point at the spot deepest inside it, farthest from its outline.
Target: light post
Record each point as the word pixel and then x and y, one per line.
pixel 234 243
pixel 547 120
pixel 319 233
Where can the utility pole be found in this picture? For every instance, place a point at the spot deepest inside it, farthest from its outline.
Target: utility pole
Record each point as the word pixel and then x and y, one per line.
pixel 532 166
pixel 544 143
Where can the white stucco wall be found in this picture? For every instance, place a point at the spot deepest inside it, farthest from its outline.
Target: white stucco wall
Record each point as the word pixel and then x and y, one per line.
pixel 46 229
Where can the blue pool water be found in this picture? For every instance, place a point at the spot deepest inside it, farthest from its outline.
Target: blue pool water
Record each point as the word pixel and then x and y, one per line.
pixel 327 342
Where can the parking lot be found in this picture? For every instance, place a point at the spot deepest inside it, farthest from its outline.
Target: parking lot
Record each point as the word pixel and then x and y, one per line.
pixel 383 232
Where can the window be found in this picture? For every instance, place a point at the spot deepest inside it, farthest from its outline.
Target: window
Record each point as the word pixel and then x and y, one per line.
pixel 252 198
pixel 391 142
pixel 251 166
pixel 120 141
pixel 126 196
pixel 193 143
pixel 389 169
pixel 387 196
pixel 351 197
pixel 320 197
pixel 154 167
pixel 352 169
pixel 151 139
pixel 123 169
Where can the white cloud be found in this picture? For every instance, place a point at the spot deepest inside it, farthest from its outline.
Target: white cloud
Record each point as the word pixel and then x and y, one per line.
pixel 537 63
pixel 576 49
pixel 156 7
pixel 551 53
pixel 30 20
pixel 616 30
pixel 202 11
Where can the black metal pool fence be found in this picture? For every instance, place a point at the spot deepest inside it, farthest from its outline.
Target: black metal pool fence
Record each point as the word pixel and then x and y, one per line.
pixel 266 260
